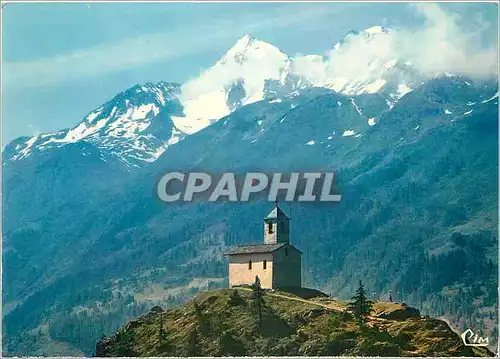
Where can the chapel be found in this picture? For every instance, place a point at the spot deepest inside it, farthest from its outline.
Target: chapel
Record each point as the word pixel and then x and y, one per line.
pixel 276 262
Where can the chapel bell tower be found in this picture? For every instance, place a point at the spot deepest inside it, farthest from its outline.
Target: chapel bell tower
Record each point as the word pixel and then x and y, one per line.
pixel 276 227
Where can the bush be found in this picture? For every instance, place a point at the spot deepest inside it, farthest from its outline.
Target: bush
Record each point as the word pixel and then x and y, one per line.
pixel 338 346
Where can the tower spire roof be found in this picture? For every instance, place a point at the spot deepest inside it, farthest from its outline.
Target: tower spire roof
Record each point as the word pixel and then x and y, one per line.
pixel 277 212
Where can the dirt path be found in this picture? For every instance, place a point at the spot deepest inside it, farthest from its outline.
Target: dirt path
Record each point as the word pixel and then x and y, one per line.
pixel 327 306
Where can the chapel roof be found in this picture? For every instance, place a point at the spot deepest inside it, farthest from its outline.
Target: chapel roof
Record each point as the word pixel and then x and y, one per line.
pixel 258 248
pixel 276 213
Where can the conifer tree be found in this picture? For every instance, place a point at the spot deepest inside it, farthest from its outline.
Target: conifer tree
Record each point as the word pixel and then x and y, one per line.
pixel 360 306
pixel 257 297
pixel 162 333
pixel 192 349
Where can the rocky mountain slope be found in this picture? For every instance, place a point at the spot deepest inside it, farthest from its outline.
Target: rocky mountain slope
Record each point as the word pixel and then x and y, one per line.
pixel 87 245
pixel 225 322
pixel 133 128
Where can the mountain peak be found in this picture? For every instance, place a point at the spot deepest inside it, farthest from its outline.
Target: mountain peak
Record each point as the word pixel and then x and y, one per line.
pixel 237 79
pixel 367 33
pixel 248 47
pixel 245 40
pixel 377 29
pixel 129 126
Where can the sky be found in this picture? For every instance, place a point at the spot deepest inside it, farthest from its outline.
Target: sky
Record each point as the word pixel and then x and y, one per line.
pixel 62 60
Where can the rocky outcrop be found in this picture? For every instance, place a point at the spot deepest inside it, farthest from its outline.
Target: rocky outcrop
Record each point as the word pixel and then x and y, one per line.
pixel 402 312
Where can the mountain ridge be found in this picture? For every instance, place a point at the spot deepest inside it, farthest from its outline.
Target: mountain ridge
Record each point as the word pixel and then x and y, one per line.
pixel 149 118
pixel 120 128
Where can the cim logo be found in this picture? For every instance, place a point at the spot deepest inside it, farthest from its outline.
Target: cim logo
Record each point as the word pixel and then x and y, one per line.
pixel 474 340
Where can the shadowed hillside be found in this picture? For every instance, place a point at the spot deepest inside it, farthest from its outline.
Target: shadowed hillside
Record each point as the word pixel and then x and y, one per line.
pixel 225 322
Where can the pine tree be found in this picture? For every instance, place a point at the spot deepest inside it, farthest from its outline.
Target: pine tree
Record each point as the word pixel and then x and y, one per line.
pixel 360 306
pixel 257 298
pixel 165 345
pixel 197 309
pixel 192 348
pixel 162 333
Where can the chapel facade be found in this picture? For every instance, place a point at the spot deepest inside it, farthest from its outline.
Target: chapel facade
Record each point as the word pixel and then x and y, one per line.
pixel 276 262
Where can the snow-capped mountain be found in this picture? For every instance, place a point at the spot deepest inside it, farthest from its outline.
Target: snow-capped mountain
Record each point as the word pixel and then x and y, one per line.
pixel 360 63
pixel 253 70
pixel 134 127
pixel 237 79
pixel 366 34
pixel 138 125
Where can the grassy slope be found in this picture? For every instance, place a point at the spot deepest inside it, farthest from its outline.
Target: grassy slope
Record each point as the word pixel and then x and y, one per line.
pixel 224 326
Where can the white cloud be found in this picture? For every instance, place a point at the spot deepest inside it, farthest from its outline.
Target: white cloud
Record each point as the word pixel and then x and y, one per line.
pixel 444 44
pixel 441 45
pixel 310 66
